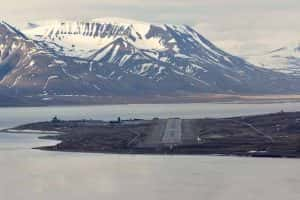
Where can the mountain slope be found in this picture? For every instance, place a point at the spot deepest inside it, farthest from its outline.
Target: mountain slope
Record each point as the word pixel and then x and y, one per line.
pixel 126 58
pixel 285 59
pixel 25 66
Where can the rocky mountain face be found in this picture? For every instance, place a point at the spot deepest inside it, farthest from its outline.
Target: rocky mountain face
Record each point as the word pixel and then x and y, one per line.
pixel 126 58
pixel 25 66
pixel 285 59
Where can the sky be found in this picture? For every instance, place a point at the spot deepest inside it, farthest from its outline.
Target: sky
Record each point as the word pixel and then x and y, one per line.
pixel 239 26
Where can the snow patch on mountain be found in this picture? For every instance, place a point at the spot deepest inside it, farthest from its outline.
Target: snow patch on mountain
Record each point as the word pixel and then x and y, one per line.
pixel 49 79
pixel 83 38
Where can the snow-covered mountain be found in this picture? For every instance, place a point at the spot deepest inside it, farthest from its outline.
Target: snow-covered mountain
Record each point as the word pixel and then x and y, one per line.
pixel 82 39
pixel 123 57
pixel 284 59
pixel 26 67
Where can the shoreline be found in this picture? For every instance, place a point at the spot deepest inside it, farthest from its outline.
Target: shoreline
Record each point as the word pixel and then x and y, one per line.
pixel 70 101
pixel 151 153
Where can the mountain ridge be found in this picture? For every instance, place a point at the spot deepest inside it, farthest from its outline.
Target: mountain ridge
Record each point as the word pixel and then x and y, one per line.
pixel 116 59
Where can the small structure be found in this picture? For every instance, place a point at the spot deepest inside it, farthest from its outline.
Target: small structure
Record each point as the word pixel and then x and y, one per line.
pixel 55 119
pixel 119 121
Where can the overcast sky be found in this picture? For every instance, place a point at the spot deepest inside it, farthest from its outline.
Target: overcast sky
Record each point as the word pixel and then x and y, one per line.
pixel 237 25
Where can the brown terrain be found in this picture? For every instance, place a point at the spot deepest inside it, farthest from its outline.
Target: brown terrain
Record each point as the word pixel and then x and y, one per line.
pixel 55 100
pixel 271 135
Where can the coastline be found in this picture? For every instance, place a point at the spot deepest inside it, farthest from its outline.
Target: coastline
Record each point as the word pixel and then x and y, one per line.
pixel 139 152
pixel 57 101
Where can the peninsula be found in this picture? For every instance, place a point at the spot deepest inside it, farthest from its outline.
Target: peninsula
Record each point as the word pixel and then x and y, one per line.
pixel 270 135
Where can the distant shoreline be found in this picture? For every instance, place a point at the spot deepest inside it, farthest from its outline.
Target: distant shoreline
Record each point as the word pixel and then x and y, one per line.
pixel 38 101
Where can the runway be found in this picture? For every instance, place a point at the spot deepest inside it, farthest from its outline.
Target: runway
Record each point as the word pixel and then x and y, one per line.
pixel 173 132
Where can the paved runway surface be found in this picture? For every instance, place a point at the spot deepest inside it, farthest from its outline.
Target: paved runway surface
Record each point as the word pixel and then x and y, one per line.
pixel 173 132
